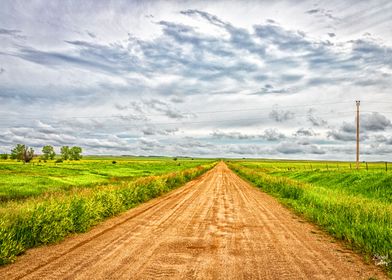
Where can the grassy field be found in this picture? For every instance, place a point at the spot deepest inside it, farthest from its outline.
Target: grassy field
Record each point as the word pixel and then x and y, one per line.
pixel 44 202
pixel 354 206
pixel 19 181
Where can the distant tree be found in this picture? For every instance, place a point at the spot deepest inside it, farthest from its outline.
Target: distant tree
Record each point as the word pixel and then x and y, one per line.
pixel 175 158
pixel 75 153
pixel 48 152
pixel 22 152
pixel 4 156
pixel 17 152
pixel 64 152
pixel 28 154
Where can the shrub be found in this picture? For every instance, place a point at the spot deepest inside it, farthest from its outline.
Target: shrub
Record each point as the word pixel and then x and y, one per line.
pixel 4 156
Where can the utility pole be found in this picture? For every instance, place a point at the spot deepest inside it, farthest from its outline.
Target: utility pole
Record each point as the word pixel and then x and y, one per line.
pixel 357 103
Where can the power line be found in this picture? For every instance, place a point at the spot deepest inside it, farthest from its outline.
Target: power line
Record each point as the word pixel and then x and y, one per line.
pixel 209 121
pixel 24 116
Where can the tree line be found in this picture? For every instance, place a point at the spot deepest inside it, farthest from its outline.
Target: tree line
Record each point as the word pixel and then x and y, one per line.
pixel 24 153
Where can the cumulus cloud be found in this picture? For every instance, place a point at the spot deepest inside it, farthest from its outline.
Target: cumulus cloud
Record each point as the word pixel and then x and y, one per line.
pixel 374 122
pixel 346 132
pixel 147 144
pixel 272 134
pixel 299 148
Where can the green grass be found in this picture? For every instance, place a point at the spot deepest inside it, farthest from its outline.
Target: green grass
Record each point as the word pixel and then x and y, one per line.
pixel 354 206
pixel 44 203
pixel 19 181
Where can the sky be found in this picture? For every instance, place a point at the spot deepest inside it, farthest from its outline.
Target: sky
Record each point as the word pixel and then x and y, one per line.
pixel 262 79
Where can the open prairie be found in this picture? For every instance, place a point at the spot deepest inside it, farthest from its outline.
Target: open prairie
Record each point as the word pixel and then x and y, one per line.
pixel 19 181
pixel 215 227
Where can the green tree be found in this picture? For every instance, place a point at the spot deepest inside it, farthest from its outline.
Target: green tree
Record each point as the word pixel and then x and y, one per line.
pixel 75 153
pixel 17 152
pixel 4 156
pixel 64 152
pixel 22 152
pixel 48 152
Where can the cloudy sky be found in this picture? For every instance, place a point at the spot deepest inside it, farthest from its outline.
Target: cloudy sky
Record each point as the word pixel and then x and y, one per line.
pixel 194 78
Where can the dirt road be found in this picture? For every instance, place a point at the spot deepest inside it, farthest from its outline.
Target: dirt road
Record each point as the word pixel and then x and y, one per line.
pixel 215 227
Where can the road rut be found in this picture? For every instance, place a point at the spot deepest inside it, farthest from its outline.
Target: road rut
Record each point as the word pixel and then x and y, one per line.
pixel 215 227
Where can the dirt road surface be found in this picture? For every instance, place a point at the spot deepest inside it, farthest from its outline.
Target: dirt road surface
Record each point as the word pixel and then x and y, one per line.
pixel 215 227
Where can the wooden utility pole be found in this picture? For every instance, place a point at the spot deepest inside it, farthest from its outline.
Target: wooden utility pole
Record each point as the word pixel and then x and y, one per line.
pixel 357 161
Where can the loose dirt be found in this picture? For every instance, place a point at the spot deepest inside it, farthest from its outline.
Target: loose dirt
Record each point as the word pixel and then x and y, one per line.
pixel 215 227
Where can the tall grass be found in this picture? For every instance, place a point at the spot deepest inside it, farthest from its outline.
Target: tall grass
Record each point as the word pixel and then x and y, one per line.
pixel 32 223
pixel 364 223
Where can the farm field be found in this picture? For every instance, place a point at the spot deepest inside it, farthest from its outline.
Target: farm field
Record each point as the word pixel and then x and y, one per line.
pixel 44 202
pixel 215 227
pixel 19 181
pixel 354 206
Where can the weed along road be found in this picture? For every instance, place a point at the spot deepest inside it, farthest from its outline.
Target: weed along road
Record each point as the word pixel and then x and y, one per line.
pixel 215 227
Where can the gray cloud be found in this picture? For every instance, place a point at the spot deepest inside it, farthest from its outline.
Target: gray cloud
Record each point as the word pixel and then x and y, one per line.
pixel 91 34
pixel 283 39
pixel 155 131
pixel 315 121
pixel 13 33
pixel 146 144
pixel 271 89
pixel 313 11
pixel 303 132
pixel 140 110
pixel 10 32
pixel 374 122
pixel 368 123
pixel 211 18
pixel 177 99
pixel 281 115
pixel 346 132
pixel 372 52
pixel 272 134
pixel 232 135
pixel 322 12
pixel 299 148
